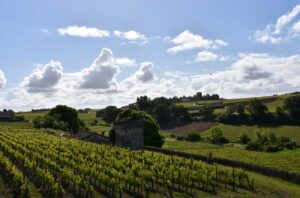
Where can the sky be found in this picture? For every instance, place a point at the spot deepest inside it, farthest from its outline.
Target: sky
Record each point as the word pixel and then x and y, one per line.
pixel 97 53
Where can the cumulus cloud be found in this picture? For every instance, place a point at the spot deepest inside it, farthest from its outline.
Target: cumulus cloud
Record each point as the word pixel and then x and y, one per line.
pixel 252 74
pixel 188 41
pixel 44 78
pixel 280 31
pixel 205 56
pixel 143 75
pixel 101 74
pixel 126 62
pixel 132 37
pixel 83 31
pixel 2 79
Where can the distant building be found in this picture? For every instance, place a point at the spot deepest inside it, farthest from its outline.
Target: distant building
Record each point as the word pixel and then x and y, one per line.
pixel 7 116
pixel 129 134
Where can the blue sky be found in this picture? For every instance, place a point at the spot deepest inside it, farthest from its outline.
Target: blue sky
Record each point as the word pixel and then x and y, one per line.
pixel 49 50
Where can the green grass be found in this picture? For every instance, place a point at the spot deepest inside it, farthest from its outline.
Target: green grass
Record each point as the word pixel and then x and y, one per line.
pixel 286 160
pixel 232 132
pixel 88 118
pixel 264 187
pixel 278 102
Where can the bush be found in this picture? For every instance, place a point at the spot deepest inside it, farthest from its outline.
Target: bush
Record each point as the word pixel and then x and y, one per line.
pixel 193 137
pixel 61 117
pixel 180 138
pixel 217 136
pixel 244 138
pixel 206 112
pixel 151 128
pixel 271 143
pixel 254 146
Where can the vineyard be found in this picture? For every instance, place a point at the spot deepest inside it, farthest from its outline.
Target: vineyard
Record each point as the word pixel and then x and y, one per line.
pixel 60 166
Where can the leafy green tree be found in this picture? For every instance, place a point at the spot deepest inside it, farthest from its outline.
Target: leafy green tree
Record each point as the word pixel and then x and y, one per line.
pixel 180 113
pixel 162 113
pixel 292 106
pixel 68 115
pixel 244 138
pixel 206 111
pixel 193 137
pixel 217 136
pixel 110 113
pixel 144 103
pixel 258 111
pixel 61 117
pixel 151 127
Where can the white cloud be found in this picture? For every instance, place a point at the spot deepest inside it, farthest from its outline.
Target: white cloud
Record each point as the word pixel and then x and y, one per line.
pixel 295 29
pixel 44 78
pixel 126 62
pixel 45 31
pixel 83 31
pixel 96 86
pixel 205 56
pixel 252 75
pixel 280 31
pixel 2 79
pixel 143 75
pixel 101 74
pixel 188 41
pixel 132 37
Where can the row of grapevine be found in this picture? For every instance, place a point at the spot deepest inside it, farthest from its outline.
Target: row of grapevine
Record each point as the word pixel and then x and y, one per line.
pixel 14 176
pixel 60 164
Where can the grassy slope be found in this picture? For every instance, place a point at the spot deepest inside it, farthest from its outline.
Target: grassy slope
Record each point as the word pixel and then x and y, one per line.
pixel 278 102
pixel 232 132
pixel 287 160
pixel 264 186
pixel 88 118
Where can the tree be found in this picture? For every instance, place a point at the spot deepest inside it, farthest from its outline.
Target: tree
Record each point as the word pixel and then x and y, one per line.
pixel 292 106
pixel 206 111
pixel 68 115
pixel 61 117
pixel 217 136
pixel 180 113
pixel 110 113
pixel 162 113
pixel 258 111
pixel 244 138
pixel 143 103
pixel 151 128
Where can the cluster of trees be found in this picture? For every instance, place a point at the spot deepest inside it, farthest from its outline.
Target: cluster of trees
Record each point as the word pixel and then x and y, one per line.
pixel 197 97
pixel 164 110
pixel 269 143
pixel 61 117
pixel 151 127
pixel 109 113
pixel 258 113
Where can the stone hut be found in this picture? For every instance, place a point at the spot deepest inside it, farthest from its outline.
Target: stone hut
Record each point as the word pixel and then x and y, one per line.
pixel 129 134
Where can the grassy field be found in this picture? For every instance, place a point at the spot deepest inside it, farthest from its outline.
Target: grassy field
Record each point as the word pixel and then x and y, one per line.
pixel 270 101
pixel 232 132
pixel 88 118
pixel 286 160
